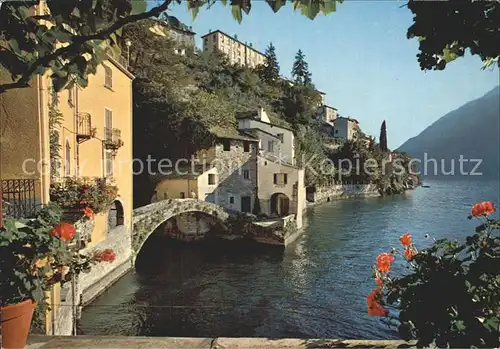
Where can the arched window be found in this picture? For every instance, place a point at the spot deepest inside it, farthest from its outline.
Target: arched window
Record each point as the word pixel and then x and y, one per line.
pixel 115 215
pixel 67 159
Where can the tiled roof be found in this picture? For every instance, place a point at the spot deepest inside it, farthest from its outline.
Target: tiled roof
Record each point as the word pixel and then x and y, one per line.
pixel 231 133
pixel 181 172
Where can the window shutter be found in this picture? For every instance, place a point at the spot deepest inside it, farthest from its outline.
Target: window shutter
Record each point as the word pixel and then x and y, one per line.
pixel 285 178
pixel 275 178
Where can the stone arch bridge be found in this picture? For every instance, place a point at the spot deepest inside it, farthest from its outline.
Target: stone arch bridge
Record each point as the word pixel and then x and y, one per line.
pixel 236 225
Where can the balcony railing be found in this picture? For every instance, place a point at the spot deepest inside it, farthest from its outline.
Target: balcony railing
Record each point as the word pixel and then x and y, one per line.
pixel 17 197
pixel 112 139
pixel 83 127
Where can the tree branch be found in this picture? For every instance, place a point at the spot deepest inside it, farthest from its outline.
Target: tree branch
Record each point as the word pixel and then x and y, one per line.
pixel 103 34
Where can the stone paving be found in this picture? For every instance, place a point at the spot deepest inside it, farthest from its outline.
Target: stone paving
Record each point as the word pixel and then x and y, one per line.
pixel 55 342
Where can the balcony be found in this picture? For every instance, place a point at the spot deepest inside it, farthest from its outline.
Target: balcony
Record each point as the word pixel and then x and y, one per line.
pixel 83 127
pixel 112 139
pixel 17 198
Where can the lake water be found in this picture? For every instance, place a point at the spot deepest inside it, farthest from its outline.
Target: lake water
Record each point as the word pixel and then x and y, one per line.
pixel 316 287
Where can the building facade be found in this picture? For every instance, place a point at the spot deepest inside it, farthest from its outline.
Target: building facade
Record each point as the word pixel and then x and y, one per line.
pixel 345 128
pixel 228 176
pixel 327 114
pixel 274 141
pixel 88 122
pixel 237 52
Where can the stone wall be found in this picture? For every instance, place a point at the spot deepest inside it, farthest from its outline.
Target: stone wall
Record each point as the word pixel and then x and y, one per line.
pixel 90 285
pixel 342 191
pixel 230 180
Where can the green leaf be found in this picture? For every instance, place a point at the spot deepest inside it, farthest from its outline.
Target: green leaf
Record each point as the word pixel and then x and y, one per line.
pixel 276 4
pixel 236 11
pixel 194 11
pixel 492 323
pixel 328 6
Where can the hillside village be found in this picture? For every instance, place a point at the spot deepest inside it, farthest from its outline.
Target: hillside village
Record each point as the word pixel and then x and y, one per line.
pixel 285 121
pixel 261 143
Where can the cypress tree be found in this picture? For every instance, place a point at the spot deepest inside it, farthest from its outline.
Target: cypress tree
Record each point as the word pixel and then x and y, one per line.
pixel 300 70
pixel 383 137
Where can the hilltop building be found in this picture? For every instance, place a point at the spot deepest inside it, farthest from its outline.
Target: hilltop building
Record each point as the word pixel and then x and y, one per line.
pixel 345 128
pixel 327 114
pixel 179 32
pixel 237 52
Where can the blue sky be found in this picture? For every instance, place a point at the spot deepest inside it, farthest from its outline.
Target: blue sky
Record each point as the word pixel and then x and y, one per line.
pixel 360 57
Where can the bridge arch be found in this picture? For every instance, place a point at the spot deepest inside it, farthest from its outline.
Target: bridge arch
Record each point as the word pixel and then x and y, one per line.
pixel 148 218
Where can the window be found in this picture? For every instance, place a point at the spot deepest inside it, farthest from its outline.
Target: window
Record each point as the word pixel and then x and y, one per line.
pixel 246 147
pixel 226 144
pixel 246 174
pixel 231 199
pixel 280 178
pixel 108 77
pixel 280 136
pixel 67 160
pixel 211 178
pixel 182 195
pixel 270 146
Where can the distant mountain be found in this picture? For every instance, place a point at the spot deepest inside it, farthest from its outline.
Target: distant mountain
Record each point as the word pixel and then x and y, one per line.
pixel 473 131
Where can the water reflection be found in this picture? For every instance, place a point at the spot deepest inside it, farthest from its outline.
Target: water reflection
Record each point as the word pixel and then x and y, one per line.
pixel 316 287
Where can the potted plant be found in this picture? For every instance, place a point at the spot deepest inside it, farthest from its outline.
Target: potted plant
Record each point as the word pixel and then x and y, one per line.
pixel 451 296
pixel 35 254
pixel 87 195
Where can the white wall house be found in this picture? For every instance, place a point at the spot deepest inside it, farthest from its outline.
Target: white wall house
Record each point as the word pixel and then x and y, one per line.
pixel 281 189
pixel 345 128
pixel 327 114
pixel 259 120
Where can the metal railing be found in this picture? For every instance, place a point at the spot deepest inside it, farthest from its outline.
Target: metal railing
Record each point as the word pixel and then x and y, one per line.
pixel 112 134
pixel 83 125
pixel 18 198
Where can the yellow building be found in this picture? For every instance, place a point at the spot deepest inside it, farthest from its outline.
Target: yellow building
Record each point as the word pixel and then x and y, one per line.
pixel 236 51
pixel 89 119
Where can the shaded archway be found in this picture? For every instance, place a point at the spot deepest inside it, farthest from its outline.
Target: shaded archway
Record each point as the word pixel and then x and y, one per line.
pixel 147 218
pixel 115 215
pixel 280 205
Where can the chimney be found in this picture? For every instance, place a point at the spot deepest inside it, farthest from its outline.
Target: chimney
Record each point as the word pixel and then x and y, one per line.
pixel 262 115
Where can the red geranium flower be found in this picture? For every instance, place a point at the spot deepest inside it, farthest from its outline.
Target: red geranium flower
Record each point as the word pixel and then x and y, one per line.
pixel 373 302
pixel 405 239
pixel 384 262
pixel 482 208
pixel 87 211
pixel 409 253
pixel 108 255
pixel 64 231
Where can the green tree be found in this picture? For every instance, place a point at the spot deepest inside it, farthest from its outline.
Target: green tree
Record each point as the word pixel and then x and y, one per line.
pixel 270 70
pixel 446 29
pixel 383 137
pixel 72 37
pixel 300 70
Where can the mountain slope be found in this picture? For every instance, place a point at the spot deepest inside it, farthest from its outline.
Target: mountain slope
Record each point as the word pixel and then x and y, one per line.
pixel 473 131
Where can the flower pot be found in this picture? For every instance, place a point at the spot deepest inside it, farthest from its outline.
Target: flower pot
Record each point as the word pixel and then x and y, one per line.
pixel 15 323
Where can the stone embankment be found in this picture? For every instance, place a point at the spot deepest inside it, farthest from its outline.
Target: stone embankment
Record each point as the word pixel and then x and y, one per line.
pixel 98 342
pixel 342 191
